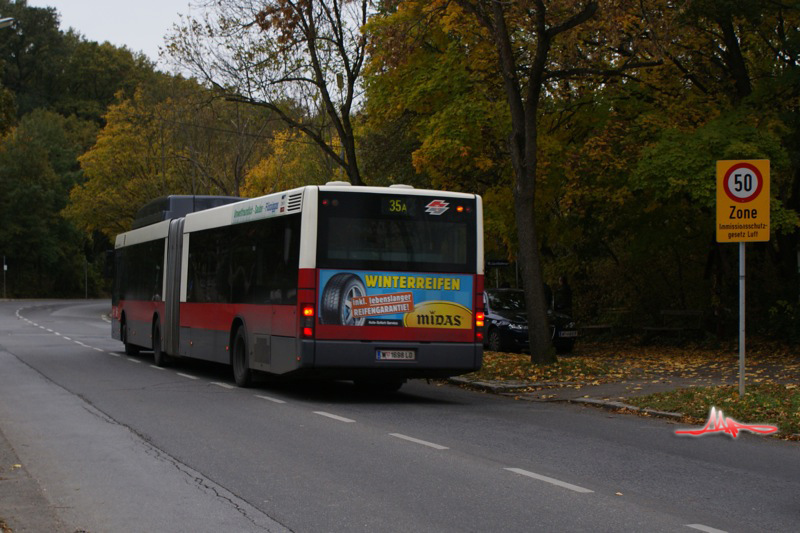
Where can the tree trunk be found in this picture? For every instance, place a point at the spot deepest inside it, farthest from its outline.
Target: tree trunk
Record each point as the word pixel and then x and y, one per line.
pixel 542 351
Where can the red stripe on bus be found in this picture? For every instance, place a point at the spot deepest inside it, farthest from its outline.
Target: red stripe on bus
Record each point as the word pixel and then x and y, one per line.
pixel 139 310
pixel 307 278
pixel 259 319
pixel 393 333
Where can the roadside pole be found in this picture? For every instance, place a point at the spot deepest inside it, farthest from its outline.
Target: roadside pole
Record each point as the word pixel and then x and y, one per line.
pixel 741 317
pixel 743 211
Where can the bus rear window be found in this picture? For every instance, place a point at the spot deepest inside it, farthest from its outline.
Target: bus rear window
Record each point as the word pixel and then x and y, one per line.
pixel 396 232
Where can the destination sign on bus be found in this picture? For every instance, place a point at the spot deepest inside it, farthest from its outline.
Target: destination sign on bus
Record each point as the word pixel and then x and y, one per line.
pixel 401 206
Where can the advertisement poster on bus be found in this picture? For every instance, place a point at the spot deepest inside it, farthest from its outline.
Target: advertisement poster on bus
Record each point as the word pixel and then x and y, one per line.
pixel 401 299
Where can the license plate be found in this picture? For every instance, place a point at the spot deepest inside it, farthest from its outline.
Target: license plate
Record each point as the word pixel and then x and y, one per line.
pixel 396 355
pixel 572 333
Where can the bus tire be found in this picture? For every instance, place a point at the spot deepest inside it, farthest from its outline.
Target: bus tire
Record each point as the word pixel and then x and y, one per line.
pixel 336 305
pixel 130 349
pixel 160 358
pixel 242 374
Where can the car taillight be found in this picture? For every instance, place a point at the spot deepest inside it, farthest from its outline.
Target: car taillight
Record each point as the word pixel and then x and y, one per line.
pixel 307 325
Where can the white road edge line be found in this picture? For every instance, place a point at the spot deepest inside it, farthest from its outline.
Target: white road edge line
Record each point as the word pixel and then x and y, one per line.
pixel 187 376
pixel 335 417
pixel 273 400
pixel 550 480
pixel 67 339
pixel 707 529
pixel 223 385
pixel 134 360
pixel 418 441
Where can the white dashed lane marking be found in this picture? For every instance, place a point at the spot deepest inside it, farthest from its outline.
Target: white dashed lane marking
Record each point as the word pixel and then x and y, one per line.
pixel 418 441
pixel 334 417
pixel 707 529
pixel 550 480
pixel 273 400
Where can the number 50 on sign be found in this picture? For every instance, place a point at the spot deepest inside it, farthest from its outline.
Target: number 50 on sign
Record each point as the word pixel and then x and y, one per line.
pixel 743 201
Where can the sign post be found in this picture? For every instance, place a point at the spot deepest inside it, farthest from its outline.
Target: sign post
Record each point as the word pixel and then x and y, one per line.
pixel 743 211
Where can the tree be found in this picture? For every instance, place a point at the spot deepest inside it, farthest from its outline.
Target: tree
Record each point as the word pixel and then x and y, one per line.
pixel 294 161
pixel 436 80
pixel 32 54
pixel 37 168
pixel 522 70
pixel 46 67
pixel 167 139
pixel 94 74
pixel 279 51
pixel 8 110
pixel 525 35
pixel 743 58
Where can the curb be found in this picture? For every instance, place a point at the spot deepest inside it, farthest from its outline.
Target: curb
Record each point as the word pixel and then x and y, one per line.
pixel 511 387
pixel 608 404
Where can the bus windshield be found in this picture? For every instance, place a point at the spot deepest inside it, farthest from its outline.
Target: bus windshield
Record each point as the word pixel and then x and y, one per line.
pixel 396 232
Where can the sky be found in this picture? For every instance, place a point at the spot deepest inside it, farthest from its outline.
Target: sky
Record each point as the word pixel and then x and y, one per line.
pixel 138 24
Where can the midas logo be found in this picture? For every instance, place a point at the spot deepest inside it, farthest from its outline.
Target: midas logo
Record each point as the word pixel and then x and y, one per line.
pixel 444 315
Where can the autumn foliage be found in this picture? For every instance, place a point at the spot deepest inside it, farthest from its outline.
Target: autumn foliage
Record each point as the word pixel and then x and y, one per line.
pixel 591 129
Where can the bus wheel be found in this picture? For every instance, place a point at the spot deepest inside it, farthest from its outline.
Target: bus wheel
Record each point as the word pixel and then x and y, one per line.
pixel 159 357
pixel 337 300
pixel 130 349
pixel 242 374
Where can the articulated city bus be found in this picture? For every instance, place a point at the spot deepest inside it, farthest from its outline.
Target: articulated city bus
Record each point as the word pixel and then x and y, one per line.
pixel 371 284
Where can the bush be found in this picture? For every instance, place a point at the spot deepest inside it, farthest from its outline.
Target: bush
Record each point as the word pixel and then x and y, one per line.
pixel 784 321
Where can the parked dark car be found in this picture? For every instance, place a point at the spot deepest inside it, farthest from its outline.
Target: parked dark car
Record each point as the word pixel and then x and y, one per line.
pixel 507 323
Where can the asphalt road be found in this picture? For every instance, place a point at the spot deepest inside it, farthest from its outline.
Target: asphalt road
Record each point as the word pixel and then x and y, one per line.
pixel 116 444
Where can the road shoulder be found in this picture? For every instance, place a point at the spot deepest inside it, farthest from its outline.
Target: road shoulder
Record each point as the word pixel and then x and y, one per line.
pixel 23 504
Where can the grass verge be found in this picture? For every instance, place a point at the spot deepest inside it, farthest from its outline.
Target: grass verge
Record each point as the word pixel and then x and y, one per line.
pixel 773 378
pixel 766 403
pixel 499 366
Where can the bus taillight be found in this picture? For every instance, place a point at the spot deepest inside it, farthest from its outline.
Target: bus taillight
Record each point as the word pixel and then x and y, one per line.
pixel 307 326
pixel 480 320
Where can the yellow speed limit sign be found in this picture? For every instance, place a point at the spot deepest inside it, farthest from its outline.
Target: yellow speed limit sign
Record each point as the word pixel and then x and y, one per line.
pixel 743 201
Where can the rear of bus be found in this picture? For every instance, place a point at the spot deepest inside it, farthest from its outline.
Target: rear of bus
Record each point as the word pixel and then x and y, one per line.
pixel 391 289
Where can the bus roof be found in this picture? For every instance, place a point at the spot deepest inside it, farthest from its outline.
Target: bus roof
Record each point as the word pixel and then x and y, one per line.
pixel 177 206
pixel 291 201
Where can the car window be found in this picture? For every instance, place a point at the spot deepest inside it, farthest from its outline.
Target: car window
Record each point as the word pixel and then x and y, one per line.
pixel 507 300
